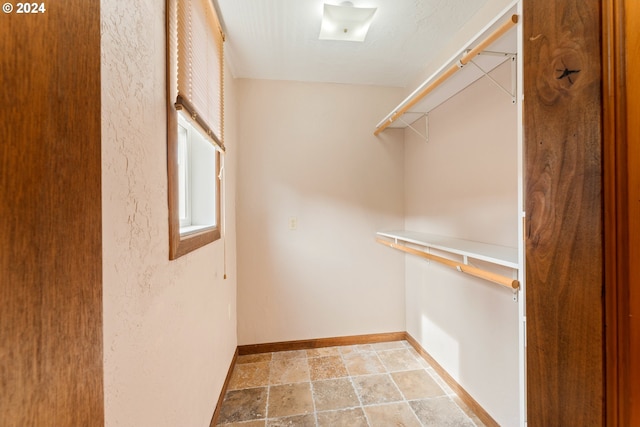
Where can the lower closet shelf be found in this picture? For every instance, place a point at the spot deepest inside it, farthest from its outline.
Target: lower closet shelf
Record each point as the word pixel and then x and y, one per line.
pixel 499 255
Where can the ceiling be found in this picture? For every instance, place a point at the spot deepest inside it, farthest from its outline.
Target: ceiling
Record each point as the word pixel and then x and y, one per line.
pixel 278 40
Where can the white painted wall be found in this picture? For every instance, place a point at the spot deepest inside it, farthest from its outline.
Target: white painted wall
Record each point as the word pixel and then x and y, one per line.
pixel 463 183
pixel 307 151
pixel 168 334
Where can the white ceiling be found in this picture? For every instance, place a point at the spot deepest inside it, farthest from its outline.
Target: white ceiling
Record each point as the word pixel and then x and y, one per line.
pixel 278 40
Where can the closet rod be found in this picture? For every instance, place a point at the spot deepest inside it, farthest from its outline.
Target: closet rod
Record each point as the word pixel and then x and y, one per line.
pixel 464 60
pixel 474 271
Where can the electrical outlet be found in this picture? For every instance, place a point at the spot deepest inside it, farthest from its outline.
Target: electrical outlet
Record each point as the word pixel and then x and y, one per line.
pixel 293 223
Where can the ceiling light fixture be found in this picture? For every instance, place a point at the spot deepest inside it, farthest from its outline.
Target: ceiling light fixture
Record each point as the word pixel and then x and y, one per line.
pixel 346 22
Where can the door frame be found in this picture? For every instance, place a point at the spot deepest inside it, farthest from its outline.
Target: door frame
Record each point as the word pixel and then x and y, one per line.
pixel 621 187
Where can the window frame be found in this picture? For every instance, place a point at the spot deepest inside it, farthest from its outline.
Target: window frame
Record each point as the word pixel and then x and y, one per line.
pixel 186 171
pixel 183 243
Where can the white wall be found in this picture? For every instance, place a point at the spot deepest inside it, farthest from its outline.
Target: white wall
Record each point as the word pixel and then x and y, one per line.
pixel 168 334
pixel 463 183
pixel 307 151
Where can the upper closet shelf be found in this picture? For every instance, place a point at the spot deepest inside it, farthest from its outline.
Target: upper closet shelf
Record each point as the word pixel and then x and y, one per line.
pixel 495 254
pixel 492 46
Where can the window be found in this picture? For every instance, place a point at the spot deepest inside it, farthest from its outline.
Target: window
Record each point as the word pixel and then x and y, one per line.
pixel 195 123
pixel 197 183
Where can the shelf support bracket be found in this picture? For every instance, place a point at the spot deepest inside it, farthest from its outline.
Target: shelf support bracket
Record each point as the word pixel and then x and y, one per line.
pixel 494 81
pixel 410 126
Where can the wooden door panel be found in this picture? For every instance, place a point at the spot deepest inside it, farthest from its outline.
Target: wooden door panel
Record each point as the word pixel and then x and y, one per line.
pixel 563 203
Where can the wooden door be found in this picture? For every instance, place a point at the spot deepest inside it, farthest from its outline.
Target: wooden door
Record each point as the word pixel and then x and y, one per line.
pixel 563 204
pixel 50 215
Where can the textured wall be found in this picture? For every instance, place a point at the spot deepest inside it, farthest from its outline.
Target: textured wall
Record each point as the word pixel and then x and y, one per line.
pixel 307 151
pixel 463 183
pixel 169 327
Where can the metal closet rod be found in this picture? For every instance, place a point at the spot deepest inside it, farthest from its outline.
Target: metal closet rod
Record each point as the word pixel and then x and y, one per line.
pixel 474 271
pixel 464 60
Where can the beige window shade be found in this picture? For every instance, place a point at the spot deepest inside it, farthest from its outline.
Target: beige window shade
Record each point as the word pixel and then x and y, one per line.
pixel 200 66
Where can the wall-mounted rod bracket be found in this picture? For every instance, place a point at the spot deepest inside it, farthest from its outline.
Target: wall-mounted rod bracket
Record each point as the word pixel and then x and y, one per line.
pixel 410 126
pixel 512 92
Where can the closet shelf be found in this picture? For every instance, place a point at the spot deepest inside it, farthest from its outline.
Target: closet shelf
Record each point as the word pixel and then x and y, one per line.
pixel 494 45
pixel 494 254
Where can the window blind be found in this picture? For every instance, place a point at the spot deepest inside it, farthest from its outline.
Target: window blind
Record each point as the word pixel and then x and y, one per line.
pixel 200 65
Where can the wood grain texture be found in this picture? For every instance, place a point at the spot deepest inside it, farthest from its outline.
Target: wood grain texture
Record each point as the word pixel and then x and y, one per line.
pixel 630 314
pixel 563 202
pixel 51 219
pixel 616 163
pixel 631 335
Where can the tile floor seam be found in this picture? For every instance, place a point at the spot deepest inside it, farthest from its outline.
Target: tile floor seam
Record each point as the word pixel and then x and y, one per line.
pixel 355 390
pixel 266 408
pixel 464 414
pixel 388 373
pixel 399 402
pixel 441 382
pixel 401 364
pixel 422 368
pixel 313 400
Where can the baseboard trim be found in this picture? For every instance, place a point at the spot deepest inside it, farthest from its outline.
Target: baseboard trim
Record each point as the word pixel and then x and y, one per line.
pixel 319 343
pixel 243 350
pixel 223 392
pixel 465 397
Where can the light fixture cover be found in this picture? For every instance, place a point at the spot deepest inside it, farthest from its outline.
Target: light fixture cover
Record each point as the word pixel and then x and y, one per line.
pixel 346 22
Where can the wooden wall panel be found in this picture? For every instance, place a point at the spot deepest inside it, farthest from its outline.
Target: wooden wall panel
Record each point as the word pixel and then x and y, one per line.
pixel 563 203
pixel 50 217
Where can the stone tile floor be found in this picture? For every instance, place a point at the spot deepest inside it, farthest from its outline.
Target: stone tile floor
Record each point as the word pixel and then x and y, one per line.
pixel 382 384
